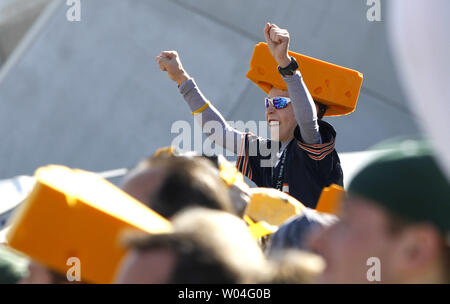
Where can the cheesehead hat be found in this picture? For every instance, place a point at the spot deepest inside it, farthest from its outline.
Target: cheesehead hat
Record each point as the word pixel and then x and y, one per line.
pixel 75 213
pixel 333 85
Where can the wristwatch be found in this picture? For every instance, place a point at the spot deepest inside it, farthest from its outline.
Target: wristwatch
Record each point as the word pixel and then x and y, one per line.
pixel 290 69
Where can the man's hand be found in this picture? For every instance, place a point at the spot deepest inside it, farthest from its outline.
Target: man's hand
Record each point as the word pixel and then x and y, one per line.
pixel 278 41
pixel 169 62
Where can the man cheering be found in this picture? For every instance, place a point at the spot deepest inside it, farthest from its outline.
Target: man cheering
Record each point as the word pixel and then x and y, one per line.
pixel 307 161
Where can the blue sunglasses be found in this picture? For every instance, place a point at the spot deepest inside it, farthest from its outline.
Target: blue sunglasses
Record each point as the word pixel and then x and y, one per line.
pixel 278 102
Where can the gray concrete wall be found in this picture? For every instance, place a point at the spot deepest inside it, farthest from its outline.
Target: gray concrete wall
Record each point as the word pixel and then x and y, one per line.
pixel 88 94
pixel 16 17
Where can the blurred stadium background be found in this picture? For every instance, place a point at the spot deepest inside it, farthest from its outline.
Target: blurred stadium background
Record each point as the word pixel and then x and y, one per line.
pixel 89 94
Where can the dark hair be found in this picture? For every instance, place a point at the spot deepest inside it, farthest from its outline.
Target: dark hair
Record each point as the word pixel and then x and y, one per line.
pixel 322 109
pixel 293 266
pixel 197 262
pixel 189 182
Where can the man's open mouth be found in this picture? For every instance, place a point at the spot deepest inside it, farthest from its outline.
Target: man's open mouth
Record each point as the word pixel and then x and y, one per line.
pixel 273 123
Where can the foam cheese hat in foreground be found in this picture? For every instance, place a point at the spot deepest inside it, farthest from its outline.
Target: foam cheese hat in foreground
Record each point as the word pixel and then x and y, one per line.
pixel 74 213
pixel 331 199
pixel 269 208
pixel 333 85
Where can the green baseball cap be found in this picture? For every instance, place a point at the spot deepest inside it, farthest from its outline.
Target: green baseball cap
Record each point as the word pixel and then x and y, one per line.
pixel 407 181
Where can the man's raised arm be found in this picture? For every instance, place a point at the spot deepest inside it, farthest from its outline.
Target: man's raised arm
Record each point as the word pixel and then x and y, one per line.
pixel 304 107
pixel 201 108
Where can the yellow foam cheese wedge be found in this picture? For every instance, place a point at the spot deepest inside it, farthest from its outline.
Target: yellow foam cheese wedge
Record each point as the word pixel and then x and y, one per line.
pixel 272 206
pixel 75 213
pixel 259 229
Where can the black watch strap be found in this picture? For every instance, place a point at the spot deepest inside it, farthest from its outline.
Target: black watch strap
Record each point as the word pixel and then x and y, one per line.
pixel 290 69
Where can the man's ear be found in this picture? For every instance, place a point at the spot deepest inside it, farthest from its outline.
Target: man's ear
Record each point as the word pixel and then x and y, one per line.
pixel 417 248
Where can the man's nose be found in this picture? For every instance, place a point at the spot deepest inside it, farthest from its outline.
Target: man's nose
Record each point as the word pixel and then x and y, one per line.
pixel 271 109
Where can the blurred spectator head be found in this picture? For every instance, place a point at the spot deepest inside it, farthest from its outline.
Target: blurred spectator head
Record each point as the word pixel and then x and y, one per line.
pixel 207 246
pixel 395 219
pixel 168 184
pixel 294 234
pixel 295 267
pixel 238 190
pixel 143 181
pixel 39 274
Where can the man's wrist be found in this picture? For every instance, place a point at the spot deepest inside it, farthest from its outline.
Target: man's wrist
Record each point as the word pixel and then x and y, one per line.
pixel 290 69
pixel 284 62
pixel 181 79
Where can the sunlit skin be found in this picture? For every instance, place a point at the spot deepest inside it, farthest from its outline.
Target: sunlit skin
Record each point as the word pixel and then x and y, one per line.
pixel 285 117
pixel 410 256
pixel 151 267
pixel 143 184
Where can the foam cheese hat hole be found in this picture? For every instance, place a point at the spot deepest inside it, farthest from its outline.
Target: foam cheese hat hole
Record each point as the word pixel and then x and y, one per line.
pixel 335 86
pixel 77 214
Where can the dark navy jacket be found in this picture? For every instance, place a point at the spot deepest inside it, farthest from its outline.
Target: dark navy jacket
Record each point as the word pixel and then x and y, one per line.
pixel 308 168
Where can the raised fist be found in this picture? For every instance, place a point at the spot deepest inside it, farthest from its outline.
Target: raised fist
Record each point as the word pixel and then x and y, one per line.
pixel 169 62
pixel 278 41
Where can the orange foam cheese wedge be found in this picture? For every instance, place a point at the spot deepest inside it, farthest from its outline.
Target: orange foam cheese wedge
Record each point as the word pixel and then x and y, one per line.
pixel 330 199
pixel 333 85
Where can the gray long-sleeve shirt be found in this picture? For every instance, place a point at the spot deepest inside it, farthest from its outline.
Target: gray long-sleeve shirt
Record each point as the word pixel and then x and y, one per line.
pixel 304 110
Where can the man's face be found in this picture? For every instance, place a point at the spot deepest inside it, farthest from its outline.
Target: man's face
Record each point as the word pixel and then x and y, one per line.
pixel 346 246
pixel 151 267
pixel 281 121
